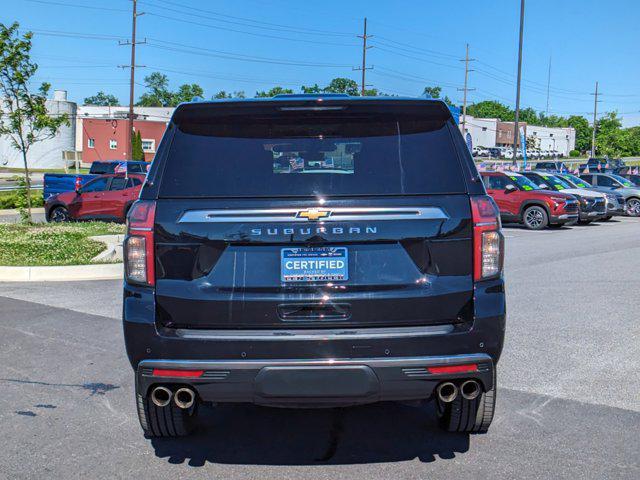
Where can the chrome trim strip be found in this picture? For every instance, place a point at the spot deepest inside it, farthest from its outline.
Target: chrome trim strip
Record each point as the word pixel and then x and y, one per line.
pixel 289 215
pixel 406 362
pixel 316 334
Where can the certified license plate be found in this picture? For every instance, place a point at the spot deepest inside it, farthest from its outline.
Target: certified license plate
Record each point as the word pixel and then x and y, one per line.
pixel 314 264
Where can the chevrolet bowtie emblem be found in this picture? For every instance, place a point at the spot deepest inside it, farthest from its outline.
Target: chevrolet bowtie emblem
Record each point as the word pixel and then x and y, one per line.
pixel 313 214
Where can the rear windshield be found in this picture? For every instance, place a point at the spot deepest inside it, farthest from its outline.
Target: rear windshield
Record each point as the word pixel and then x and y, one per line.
pixel 276 155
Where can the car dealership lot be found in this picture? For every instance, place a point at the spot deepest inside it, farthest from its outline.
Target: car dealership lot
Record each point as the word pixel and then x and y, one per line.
pixel 568 403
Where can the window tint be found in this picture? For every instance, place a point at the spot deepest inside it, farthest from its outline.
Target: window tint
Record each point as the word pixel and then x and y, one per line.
pixel 312 155
pixel 606 181
pixel 118 183
pixel 136 168
pixel 97 185
pixel 134 182
pixel 498 182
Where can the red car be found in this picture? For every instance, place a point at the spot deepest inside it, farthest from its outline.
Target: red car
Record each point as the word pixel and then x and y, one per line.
pixel 107 197
pixel 522 201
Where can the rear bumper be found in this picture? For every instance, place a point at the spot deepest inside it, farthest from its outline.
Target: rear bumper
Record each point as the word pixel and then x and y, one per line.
pixel 315 367
pixel 323 382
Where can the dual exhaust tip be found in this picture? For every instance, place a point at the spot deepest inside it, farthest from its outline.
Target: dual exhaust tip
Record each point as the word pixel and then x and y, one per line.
pixel 448 391
pixel 183 397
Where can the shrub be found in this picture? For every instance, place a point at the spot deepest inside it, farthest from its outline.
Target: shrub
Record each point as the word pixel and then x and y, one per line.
pixel 574 153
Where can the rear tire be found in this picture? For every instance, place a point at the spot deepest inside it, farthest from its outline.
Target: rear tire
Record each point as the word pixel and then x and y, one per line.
pixel 468 416
pixel 606 219
pixel 535 218
pixel 59 215
pixel 169 421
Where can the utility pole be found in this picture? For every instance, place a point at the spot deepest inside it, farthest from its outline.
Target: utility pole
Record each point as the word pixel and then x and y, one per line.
pixel 132 77
pixel 595 119
pixel 364 67
pixel 515 124
pixel 548 85
pixel 466 61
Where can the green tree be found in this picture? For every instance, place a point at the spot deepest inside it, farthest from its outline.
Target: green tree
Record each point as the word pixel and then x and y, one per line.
pixel 611 140
pixel 491 109
pixel 186 93
pixel 23 114
pixel 102 99
pixel 312 89
pixel 371 92
pixel 528 115
pixel 583 131
pixel 273 92
pixel 136 146
pixel 433 92
pixel 223 94
pixel 158 94
pixel 342 85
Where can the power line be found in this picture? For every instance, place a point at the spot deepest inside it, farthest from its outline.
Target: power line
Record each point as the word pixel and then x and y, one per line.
pixel 75 5
pixel 263 35
pixel 268 25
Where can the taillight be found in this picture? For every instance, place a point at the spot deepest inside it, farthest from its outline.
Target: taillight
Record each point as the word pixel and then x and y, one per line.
pixel 138 246
pixel 487 239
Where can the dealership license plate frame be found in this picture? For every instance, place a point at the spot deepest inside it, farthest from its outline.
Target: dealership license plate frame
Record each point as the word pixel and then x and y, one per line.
pixel 309 275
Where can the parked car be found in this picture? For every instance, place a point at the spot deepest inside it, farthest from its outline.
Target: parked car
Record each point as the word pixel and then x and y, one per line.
pixel 522 201
pixel 68 182
pixel 633 178
pixel 551 166
pixel 615 201
pixel 495 152
pixel 609 182
pixel 247 283
pixel 480 152
pixel 106 197
pixel 591 205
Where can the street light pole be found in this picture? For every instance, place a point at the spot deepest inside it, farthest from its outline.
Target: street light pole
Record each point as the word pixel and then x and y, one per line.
pixel 515 125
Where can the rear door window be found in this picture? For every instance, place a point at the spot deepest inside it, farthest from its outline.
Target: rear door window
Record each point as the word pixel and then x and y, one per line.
pixel 118 183
pixel 311 156
pixel 97 185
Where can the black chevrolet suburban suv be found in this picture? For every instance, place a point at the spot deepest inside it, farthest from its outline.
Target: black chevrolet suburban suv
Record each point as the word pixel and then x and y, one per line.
pixel 313 251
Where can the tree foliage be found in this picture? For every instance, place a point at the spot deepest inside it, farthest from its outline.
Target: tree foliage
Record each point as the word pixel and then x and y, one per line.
pixel 23 114
pixel 434 92
pixel 158 93
pixel 274 91
pixel 136 146
pixel 102 99
pixel 223 94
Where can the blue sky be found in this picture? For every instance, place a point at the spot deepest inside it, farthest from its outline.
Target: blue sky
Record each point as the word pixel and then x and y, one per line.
pixel 254 44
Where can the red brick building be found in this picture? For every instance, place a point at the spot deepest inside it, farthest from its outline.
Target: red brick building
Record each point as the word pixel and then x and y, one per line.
pixel 106 138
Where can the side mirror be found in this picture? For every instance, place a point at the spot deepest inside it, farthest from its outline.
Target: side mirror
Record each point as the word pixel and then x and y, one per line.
pixel 544 186
pixel 510 188
pixel 78 190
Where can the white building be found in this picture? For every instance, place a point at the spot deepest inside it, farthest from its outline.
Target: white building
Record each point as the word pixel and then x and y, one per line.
pixel 482 130
pixel 563 140
pixel 485 133
pixel 47 153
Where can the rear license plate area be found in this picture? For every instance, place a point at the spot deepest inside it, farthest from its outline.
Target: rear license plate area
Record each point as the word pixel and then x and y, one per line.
pixel 314 264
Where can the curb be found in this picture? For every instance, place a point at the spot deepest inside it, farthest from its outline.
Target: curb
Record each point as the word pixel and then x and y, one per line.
pixel 107 271
pixel 15 211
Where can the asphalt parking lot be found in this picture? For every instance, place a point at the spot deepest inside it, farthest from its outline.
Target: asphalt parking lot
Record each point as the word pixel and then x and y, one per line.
pixel 568 398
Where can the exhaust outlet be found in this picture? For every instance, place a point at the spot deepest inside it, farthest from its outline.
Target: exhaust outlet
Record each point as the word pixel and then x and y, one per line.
pixel 161 396
pixel 184 398
pixel 447 392
pixel 470 389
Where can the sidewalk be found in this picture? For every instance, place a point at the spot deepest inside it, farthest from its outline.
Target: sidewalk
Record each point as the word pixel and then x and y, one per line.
pixel 12 215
